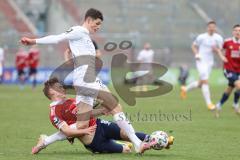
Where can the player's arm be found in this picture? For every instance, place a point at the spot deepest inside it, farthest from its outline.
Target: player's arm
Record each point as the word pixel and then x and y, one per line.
pixel 67 54
pixel 195 51
pixel 71 34
pixel 219 52
pixel 98 53
pixel 195 47
pixel 69 132
pixel 218 49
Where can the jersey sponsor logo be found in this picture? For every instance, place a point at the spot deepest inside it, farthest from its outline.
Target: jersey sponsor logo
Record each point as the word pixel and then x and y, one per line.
pixel 105 122
pixel 235 54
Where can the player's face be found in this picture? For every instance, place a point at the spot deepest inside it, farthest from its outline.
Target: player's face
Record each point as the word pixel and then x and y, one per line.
pixel 236 32
pixel 211 28
pixel 57 93
pixel 94 25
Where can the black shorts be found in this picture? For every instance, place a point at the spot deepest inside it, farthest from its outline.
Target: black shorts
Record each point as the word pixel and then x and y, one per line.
pixel 20 72
pixel 231 77
pixel 32 71
pixel 103 141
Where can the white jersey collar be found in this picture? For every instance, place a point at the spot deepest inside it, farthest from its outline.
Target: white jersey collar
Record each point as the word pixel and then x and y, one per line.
pixel 85 30
pixel 54 103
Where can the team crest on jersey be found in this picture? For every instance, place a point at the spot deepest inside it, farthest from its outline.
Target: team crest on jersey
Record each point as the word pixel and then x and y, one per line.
pixel 70 30
pixel 56 121
pixel 231 47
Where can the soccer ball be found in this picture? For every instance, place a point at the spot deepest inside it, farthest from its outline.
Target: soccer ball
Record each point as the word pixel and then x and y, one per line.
pixel 161 138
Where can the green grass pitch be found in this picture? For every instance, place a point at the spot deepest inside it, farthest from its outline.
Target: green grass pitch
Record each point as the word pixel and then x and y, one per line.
pixel 198 134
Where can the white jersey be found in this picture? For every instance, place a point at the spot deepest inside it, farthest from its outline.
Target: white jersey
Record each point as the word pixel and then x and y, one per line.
pixel 80 44
pixel 1 55
pixel 79 40
pixel 205 43
pixel 146 56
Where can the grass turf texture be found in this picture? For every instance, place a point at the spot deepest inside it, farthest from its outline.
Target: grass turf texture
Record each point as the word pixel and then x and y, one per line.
pixel 199 136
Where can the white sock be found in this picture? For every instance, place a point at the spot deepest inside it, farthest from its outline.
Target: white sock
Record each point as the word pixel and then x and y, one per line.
pixel 124 124
pixel 192 85
pixel 58 136
pixel 206 93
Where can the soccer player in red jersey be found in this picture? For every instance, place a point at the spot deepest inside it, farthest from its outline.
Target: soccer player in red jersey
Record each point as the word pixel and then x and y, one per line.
pixel 63 115
pixel 232 69
pixel 33 62
pixel 21 64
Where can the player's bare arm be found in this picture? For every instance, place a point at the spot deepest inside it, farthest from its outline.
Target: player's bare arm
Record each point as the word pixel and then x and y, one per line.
pixel 69 132
pixel 195 51
pixel 67 54
pixel 218 51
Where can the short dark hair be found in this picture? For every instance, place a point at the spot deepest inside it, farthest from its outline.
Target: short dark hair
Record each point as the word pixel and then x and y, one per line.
pixel 94 14
pixel 54 84
pixel 211 22
pixel 236 25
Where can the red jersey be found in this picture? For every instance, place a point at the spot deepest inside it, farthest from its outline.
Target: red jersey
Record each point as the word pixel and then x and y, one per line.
pixel 21 60
pixel 232 53
pixel 33 58
pixel 65 112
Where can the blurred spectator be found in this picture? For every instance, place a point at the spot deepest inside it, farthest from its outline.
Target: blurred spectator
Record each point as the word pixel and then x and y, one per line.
pixel 21 64
pixel 33 62
pixel 1 64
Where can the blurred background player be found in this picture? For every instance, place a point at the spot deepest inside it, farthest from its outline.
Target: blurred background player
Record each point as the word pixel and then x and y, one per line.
pixel 146 55
pixel 231 47
pixel 21 64
pixel 1 64
pixel 204 47
pixel 33 62
pixel 183 74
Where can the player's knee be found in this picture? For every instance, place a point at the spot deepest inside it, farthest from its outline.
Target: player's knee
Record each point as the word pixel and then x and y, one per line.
pixel 123 135
pixel 237 84
pixel 229 90
pixel 205 81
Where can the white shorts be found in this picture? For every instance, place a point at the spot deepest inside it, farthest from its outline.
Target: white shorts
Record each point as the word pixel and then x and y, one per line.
pixel 204 69
pixel 86 92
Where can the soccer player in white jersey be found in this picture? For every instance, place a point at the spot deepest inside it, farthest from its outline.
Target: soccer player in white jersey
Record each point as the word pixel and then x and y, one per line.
pixel 81 44
pixel 204 47
pixel 146 55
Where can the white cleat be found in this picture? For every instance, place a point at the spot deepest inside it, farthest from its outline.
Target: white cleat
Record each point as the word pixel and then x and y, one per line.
pixel 218 109
pixel 40 145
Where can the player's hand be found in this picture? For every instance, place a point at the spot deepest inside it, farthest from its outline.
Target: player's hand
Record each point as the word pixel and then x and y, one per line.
pixel 224 59
pixel 27 41
pixel 90 130
pixel 197 57
pixel 215 49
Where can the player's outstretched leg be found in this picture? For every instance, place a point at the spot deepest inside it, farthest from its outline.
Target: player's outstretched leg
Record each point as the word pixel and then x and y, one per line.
pixel 206 94
pixel 110 102
pixel 224 98
pixel 45 140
